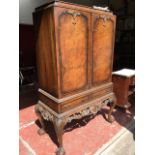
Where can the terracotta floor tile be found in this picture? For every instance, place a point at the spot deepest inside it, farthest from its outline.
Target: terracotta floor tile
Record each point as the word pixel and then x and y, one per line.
pixel 42 145
pixel 22 149
pixel 86 139
pixel 81 137
pixel 27 102
pixel 26 116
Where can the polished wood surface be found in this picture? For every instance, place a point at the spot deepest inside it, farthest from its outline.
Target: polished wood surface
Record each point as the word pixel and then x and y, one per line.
pixel 124 89
pixel 74 47
pixel 102 48
pixel 45 51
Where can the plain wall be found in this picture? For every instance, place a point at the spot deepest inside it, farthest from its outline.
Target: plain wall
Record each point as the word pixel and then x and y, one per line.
pixel 26 8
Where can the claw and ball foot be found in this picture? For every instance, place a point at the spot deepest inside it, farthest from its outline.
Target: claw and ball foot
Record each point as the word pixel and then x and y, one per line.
pixel 41 131
pixel 60 151
pixel 59 128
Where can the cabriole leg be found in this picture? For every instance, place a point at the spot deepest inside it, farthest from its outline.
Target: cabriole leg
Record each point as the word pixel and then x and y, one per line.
pixel 112 106
pixel 42 130
pixel 59 129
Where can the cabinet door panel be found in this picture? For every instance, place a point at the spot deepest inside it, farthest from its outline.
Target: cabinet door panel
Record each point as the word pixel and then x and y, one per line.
pixel 103 29
pixel 73 50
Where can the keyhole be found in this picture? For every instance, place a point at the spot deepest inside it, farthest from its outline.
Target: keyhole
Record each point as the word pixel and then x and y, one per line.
pixel 74 21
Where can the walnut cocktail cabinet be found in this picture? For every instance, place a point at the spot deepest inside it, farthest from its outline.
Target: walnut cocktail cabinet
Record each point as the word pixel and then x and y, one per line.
pixel 74 46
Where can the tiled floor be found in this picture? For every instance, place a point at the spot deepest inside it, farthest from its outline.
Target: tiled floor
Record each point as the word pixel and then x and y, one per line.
pixel 83 137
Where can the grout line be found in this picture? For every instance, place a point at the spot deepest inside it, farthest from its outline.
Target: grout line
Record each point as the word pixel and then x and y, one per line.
pixel 115 138
pixel 26 125
pixel 31 151
pixel 112 145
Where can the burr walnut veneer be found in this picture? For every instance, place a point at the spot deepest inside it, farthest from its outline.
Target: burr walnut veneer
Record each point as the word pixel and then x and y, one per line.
pixel 74 47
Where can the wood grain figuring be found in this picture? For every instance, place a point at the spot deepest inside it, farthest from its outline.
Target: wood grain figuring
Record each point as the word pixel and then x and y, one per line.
pixel 68 105
pixel 53 105
pixel 73 34
pixel 74 52
pixel 83 100
pixel 122 89
pixel 72 102
pixel 102 49
pixel 45 53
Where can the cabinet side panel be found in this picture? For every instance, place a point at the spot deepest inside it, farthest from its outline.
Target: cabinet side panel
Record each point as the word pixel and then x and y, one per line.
pixel 73 50
pixel 103 33
pixel 45 49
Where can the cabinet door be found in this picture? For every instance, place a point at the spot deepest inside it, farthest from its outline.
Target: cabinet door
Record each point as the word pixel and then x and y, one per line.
pixel 72 34
pixel 102 39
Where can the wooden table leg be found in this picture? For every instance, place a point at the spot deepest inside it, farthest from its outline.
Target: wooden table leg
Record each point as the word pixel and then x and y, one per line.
pixel 112 106
pixel 42 130
pixel 59 129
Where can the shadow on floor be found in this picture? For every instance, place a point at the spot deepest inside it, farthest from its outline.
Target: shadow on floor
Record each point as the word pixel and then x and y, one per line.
pixel 68 127
pixel 128 116
pixel 30 97
pixel 117 114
